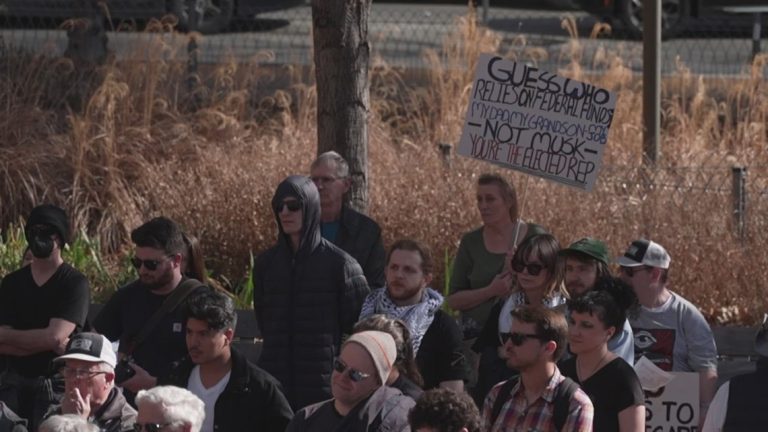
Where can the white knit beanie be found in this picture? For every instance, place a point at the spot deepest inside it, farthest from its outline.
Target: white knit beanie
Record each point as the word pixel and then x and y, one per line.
pixel 381 347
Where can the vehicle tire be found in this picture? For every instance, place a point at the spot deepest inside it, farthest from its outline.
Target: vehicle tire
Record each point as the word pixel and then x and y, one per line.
pixel 673 16
pixel 217 15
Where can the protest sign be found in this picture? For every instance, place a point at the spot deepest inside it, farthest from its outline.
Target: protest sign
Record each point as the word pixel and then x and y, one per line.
pixel 537 122
pixel 674 407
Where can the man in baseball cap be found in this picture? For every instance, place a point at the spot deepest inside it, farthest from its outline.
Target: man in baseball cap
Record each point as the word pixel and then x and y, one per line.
pixel 360 397
pixel 41 305
pixel 89 381
pixel 669 330
pixel 586 261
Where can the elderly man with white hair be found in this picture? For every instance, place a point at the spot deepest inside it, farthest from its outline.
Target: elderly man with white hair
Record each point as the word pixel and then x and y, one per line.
pixel 169 409
pixel 67 423
pixel 89 384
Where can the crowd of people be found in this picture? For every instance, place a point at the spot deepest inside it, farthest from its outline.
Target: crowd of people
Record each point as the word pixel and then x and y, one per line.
pixel 354 338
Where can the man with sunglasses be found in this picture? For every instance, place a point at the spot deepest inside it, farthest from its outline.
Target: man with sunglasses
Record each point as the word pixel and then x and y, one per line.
pixel 352 231
pixel 669 330
pixel 89 380
pixel 586 261
pixel 541 398
pixel 361 400
pixel 157 259
pixel 236 393
pixel 41 306
pixel 169 409
pixel 307 295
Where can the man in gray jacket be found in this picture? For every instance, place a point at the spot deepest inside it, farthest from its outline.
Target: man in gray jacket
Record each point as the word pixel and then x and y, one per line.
pixel 89 383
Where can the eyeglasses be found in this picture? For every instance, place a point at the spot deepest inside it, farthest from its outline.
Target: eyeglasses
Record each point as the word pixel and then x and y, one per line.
pixel 150 265
pixel 292 206
pixel 630 271
pixel 533 269
pixel 324 180
pixel 149 427
pixel 353 374
pixel 517 338
pixel 69 373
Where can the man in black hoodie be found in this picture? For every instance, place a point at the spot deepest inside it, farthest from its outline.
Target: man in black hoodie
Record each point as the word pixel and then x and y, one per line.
pixel 307 294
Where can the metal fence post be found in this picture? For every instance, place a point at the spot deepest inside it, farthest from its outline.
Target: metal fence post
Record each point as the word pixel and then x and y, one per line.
pixel 739 195
pixel 193 51
pixel 486 6
pixel 651 80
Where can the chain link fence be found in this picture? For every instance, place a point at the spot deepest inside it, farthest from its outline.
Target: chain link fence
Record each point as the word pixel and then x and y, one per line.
pixel 716 44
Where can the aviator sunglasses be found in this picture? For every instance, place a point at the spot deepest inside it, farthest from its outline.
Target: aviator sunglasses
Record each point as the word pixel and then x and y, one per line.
pixel 533 269
pixel 150 265
pixel 518 338
pixel 353 374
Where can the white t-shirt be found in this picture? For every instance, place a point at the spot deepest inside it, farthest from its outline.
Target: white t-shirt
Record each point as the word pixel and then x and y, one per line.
pixel 718 409
pixel 207 395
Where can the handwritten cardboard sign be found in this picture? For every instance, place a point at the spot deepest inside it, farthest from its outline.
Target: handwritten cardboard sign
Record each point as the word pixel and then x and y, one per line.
pixel 675 407
pixel 537 122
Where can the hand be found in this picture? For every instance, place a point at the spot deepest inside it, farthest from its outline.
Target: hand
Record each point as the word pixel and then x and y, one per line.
pixel 501 285
pixel 141 381
pixel 62 348
pixel 73 403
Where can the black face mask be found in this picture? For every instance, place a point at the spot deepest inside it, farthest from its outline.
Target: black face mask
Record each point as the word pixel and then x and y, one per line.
pixel 41 247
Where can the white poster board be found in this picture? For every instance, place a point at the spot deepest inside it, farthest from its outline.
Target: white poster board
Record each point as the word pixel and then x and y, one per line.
pixel 537 122
pixel 674 407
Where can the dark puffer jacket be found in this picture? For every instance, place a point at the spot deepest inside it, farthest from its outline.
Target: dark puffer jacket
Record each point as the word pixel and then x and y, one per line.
pixel 305 300
pixel 360 237
pixel 251 397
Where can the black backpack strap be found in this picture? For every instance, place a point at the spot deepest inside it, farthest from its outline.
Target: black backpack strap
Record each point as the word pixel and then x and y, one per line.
pixel 169 304
pixel 562 401
pixel 504 393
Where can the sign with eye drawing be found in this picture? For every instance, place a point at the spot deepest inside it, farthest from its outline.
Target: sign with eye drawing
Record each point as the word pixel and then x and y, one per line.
pixel 537 122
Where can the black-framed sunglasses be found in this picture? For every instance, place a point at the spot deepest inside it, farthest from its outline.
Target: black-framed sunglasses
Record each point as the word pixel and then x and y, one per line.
pixel 518 339
pixel 630 271
pixel 150 265
pixel 353 374
pixel 533 269
pixel 292 206
pixel 149 427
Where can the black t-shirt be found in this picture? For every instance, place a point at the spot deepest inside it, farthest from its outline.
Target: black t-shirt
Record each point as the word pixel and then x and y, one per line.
pixel 613 388
pixel 26 306
pixel 126 313
pixel 326 418
pixel 440 357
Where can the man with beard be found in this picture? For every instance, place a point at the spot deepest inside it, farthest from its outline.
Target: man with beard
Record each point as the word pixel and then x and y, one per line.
pixel 307 295
pixel 41 305
pixel 436 337
pixel 157 259
pixel 586 263
pixel 350 230
pixel 540 398
pixel 237 394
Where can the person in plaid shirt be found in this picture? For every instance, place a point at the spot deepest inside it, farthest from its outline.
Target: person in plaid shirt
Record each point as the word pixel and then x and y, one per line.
pixel 540 392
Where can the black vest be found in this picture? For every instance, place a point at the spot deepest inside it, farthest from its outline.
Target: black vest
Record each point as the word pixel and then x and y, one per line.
pixel 747 402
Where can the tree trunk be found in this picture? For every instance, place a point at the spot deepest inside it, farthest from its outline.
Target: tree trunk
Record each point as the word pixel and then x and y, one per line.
pixel 340 33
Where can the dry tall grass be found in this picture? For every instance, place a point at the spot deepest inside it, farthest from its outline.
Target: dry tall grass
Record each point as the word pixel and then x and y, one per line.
pixel 134 151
